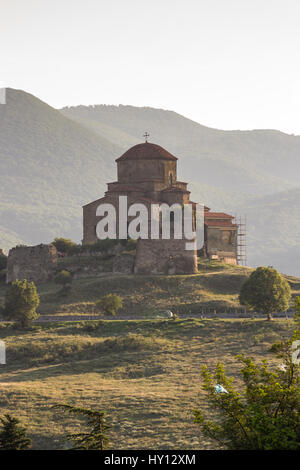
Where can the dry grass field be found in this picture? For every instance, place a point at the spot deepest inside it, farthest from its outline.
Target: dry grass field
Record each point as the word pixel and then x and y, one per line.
pixel 144 373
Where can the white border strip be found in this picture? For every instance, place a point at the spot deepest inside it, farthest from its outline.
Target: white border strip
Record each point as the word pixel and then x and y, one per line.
pixel 2 353
pixel 2 95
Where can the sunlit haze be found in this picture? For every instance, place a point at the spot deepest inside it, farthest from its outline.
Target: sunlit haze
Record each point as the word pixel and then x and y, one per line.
pixel 230 64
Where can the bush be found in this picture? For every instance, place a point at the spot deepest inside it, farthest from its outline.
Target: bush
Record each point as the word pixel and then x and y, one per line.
pixel 64 245
pixel 264 417
pixel 63 278
pixel 103 245
pixel 75 250
pixel 110 304
pixel 265 414
pixel 21 302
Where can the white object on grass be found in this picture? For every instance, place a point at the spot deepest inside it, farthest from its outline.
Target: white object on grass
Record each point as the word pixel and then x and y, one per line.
pixel 220 389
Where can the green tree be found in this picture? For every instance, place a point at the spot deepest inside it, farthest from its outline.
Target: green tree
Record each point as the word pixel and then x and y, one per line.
pixel 266 291
pixel 13 435
pixel 64 245
pixel 21 302
pixel 264 416
pixel 95 438
pixel 110 304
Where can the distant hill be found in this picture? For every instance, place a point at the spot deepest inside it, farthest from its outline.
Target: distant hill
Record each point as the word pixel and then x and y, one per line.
pixel 254 162
pixel 54 161
pixel 50 166
pixel 273 223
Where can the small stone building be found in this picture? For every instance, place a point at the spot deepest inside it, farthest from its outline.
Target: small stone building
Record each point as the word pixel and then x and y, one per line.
pixel 34 263
pixel 220 237
pixel 147 173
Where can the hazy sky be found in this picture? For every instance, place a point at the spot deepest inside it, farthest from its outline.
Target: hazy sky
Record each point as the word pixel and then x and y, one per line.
pixel 231 64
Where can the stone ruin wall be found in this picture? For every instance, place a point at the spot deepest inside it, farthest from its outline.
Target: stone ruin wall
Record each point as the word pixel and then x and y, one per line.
pixel 34 263
pixel 164 257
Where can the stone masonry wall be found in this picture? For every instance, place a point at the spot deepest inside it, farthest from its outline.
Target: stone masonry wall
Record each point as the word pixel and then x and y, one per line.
pixel 164 257
pixel 34 263
pixel 221 240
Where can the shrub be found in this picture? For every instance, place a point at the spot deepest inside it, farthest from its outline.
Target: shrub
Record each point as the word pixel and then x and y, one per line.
pixel 21 302
pixel 64 245
pixel 103 245
pixel 266 291
pixel 75 250
pixel 110 304
pixel 63 278
pixel 264 417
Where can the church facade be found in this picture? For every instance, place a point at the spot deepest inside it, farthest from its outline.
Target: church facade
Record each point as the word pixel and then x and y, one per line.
pixel 147 174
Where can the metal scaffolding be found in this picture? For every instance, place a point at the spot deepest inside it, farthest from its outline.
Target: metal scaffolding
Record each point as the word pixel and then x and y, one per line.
pixel 241 223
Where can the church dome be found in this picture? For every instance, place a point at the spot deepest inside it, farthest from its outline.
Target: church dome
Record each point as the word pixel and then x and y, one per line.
pixel 146 151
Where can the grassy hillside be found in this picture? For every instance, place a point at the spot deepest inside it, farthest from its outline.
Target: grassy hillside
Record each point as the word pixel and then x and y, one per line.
pixel 216 287
pixel 145 374
pixel 142 368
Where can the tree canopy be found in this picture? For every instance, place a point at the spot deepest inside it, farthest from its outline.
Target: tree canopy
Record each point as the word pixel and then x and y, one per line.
pixel 266 291
pixel 95 438
pixel 13 436
pixel 21 302
pixel 64 245
pixel 110 304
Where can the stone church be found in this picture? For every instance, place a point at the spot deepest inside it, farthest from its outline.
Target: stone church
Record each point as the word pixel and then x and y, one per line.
pixel 147 173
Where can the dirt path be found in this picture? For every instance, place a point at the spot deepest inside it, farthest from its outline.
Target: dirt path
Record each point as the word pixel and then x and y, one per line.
pixel 71 318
